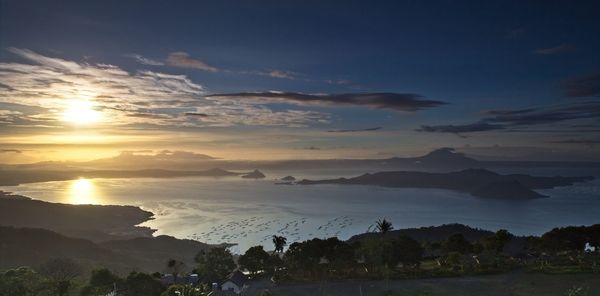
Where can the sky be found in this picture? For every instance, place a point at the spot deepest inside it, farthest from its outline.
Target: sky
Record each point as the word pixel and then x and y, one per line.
pixel 81 80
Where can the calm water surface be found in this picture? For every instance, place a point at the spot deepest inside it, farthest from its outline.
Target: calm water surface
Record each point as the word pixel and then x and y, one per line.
pixel 248 212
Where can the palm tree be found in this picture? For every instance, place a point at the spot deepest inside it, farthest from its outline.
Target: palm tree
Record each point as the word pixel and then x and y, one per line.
pixel 383 225
pixel 279 242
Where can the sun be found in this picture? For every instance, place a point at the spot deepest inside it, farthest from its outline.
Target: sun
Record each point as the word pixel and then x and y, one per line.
pixel 81 112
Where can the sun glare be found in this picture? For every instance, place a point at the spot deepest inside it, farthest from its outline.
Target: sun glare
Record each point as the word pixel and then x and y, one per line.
pixel 81 112
pixel 83 191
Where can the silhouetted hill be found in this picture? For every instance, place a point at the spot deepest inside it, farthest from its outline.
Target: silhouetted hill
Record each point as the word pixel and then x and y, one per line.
pixel 445 157
pixel 506 189
pixel 29 246
pixel 477 182
pixel 256 174
pixel 288 178
pixel 148 249
pixel 431 233
pixel 94 222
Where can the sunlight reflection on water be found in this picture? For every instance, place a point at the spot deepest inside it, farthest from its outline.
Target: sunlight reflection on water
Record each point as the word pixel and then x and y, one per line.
pixel 83 191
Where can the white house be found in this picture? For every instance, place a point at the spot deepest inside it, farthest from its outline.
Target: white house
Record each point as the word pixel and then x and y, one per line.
pixel 236 282
pixel 589 248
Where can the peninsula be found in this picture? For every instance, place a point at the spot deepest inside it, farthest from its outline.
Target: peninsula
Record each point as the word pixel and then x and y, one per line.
pixel 477 182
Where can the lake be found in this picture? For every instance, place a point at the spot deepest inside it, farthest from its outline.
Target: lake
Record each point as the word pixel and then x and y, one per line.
pixel 249 212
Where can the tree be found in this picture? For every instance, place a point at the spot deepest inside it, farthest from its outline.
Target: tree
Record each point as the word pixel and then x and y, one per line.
pixel 60 273
pixel 383 225
pixel 214 265
pixel 371 250
pixel 454 259
pixel 175 267
pixel 101 282
pixel 279 242
pixel 457 243
pixel 273 263
pixel 254 260
pixel 410 251
pixel 496 242
pixel 339 254
pixel 303 258
pixel 138 283
pixel 22 281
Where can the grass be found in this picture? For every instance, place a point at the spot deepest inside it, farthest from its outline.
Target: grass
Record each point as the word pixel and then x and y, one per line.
pixel 513 283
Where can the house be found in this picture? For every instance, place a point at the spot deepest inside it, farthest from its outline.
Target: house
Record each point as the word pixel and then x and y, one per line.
pixel 217 292
pixel 589 248
pixel 169 279
pixel 236 282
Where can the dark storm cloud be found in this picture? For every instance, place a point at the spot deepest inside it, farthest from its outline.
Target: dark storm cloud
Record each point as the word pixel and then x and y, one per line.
pixel 458 129
pixel 394 101
pixel 372 129
pixel 584 86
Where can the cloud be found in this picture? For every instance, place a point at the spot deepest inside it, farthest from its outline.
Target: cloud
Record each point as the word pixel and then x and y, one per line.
pixel 17 151
pixel 394 101
pixel 146 61
pixel 459 129
pixel 550 115
pixel 508 112
pixel 338 81
pixel 196 114
pixel 183 60
pixel 280 74
pixel 37 92
pixel 355 130
pixel 554 50
pixel 505 119
pixel 587 142
pixel 584 86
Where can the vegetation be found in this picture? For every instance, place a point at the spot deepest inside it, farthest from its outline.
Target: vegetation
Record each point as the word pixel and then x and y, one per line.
pixel 175 267
pixel 280 242
pixel 383 225
pixel 390 256
pixel 254 260
pixel 214 265
pixel 59 274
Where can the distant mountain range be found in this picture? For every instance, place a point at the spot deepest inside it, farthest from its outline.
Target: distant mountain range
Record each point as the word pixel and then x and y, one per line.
pixel 441 159
pixel 477 182
pixel 20 176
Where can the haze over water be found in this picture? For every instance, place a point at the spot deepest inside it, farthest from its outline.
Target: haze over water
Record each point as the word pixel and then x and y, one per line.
pixel 248 212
